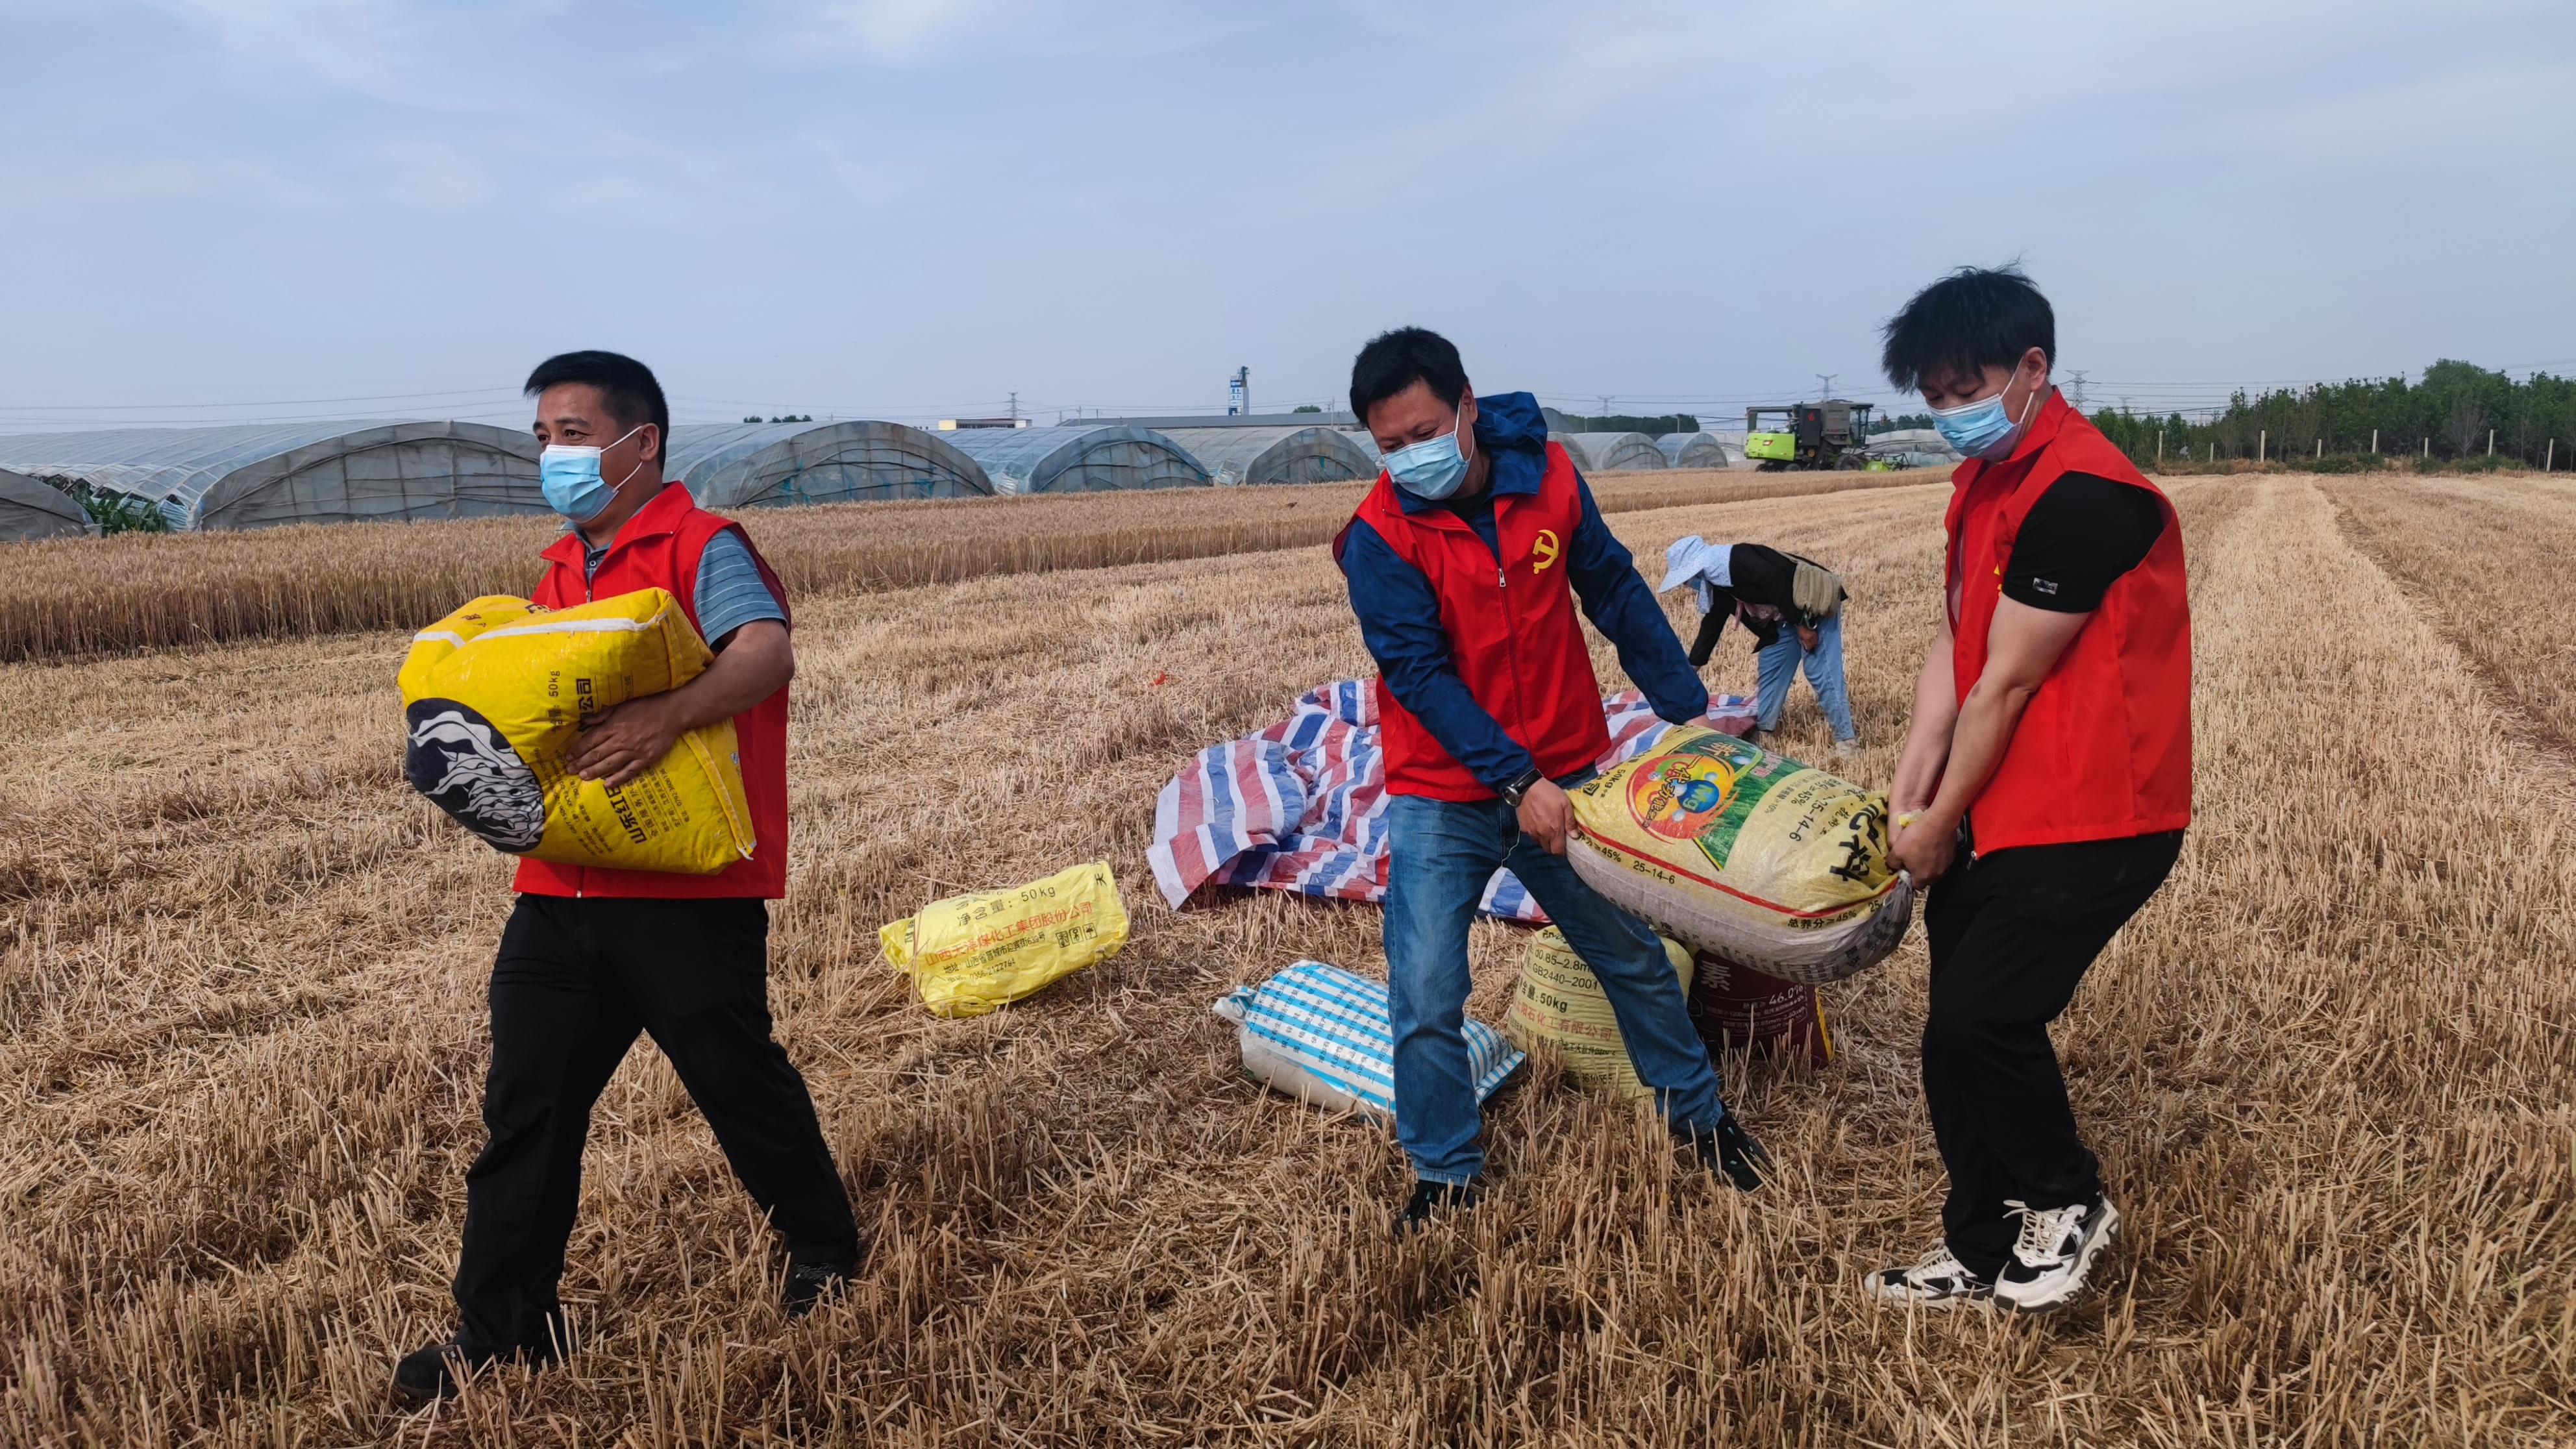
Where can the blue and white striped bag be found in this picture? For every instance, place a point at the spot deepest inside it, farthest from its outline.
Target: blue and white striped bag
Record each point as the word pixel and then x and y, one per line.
pixel 1320 1034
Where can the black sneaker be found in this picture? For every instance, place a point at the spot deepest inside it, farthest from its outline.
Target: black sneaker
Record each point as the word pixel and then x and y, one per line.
pixel 439 1371
pixel 1938 1280
pixel 2053 1253
pixel 808 1284
pixel 1731 1153
pixel 1431 1199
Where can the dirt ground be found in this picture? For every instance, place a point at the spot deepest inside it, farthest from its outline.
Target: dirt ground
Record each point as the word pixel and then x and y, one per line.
pixel 2328 1070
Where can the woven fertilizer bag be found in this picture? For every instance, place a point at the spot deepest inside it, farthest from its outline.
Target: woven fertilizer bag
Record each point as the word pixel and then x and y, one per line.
pixel 1559 1004
pixel 1744 854
pixel 1737 1008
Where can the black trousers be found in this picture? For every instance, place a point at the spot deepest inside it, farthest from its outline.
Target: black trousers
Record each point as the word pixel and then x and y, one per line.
pixel 2011 934
pixel 575 981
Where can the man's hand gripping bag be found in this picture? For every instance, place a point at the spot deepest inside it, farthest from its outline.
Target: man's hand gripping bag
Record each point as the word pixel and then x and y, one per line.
pixel 494 696
pixel 1747 855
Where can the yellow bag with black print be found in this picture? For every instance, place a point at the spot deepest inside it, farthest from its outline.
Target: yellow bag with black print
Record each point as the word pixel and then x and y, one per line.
pixel 972 953
pixel 494 696
pixel 1747 855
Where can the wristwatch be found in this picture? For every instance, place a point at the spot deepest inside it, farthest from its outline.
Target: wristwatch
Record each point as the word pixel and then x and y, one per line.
pixel 1513 792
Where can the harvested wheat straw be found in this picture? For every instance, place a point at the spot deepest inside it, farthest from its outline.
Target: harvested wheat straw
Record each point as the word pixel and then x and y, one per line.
pixel 241 1002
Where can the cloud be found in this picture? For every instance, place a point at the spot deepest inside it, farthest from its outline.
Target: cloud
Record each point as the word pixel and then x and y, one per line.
pixel 922 33
pixel 394 51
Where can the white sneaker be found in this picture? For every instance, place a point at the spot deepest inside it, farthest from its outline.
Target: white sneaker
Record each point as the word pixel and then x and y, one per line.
pixel 1938 1280
pixel 2054 1253
pixel 1846 749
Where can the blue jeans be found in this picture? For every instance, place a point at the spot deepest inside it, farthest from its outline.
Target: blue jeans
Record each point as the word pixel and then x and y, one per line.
pixel 1440 856
pixel 1779 664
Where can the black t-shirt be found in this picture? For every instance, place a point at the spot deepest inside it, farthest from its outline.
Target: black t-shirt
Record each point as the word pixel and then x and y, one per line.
pixel 2077 540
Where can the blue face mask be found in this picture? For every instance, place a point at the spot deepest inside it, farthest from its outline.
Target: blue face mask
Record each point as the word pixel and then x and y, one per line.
pixel 1433 468
pixel 1981 429
pixel 570 477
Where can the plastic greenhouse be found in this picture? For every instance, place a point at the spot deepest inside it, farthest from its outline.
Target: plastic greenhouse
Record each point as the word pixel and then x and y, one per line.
pixel 29 509
pixel 1693 450
pixel 256 474
pixel 1277 455
pixel 771 465
pixel 1078 460
pixel 1611 452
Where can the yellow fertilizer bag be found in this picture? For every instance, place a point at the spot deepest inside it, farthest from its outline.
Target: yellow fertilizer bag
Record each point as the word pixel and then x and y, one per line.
pixel 1747 855
pixel 969 954
pixel 494 696
pixel 1559 1003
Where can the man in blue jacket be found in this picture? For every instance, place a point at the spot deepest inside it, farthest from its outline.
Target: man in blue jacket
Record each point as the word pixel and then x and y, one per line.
pixel 1464 564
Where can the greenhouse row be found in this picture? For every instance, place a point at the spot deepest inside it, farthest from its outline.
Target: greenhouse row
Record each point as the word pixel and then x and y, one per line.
pixel 254 475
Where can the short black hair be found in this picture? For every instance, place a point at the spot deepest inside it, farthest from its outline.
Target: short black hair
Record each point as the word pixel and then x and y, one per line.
pixel 1394 361
pixel 1970 320
pixel 634 397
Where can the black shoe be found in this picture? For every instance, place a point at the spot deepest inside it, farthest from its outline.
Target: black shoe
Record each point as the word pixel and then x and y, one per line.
pixel 1433 1198
pixel 808 1284
pixel 439 1371
pixel 1731 1153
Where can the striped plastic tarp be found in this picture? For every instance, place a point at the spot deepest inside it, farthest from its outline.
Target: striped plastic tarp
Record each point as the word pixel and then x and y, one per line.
pixel 1301 806
pixel 1325 1023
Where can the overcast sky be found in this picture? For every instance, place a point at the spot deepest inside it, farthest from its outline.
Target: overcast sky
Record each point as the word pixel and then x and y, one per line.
pixel 914 208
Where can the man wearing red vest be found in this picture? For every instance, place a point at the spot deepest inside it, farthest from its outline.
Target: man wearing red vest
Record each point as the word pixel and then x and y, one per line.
pixel 2045 783
pixel 1465 563
pixel 592 957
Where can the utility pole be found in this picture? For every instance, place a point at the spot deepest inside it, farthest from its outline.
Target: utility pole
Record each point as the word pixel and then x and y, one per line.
pixel 1015 407
pixel 1827 379
pixel 2075 385
pixel 1605 414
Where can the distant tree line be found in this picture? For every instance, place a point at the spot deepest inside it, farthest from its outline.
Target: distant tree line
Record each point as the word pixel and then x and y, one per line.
pixel 1900 420
pixel 2449 416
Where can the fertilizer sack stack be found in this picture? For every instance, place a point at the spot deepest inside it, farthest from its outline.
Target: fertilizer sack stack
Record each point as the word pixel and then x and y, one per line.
pixel 494 696
pixel 1560 1003
pixel 1744 854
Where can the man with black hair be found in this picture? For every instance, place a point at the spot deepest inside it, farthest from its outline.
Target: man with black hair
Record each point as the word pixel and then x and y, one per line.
pixel 1464 564
pixel 2045 783
pixel 593 957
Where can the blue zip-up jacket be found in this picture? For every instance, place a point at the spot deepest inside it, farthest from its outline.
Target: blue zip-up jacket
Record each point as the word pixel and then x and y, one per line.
pixel 1399 612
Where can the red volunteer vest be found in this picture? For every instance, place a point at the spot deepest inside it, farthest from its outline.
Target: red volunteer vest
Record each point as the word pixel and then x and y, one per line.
pixel 659 548
pixel 2104 750
pixel 1514 634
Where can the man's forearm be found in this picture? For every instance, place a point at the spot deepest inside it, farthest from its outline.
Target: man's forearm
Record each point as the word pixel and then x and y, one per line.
pixel 1977 742
pixel 1928 738
pixel 755 665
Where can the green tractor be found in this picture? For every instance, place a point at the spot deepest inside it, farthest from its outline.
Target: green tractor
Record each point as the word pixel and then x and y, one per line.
pixel 1825 435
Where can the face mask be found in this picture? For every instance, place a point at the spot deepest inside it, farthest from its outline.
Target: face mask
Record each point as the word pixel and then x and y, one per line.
pixel 1433 468
pixel 570 477
pixel 1981 429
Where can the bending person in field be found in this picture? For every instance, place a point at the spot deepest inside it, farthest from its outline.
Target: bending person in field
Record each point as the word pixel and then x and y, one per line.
pixel 1465 563
pixel 592 957
pixel 2045 783
pixel 1793 608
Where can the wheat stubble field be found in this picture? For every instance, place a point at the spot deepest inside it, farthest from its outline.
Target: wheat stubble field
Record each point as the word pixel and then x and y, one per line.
pixel 241 973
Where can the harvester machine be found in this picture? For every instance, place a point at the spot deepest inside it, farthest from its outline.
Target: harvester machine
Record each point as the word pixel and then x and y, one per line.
pixel 1820 435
